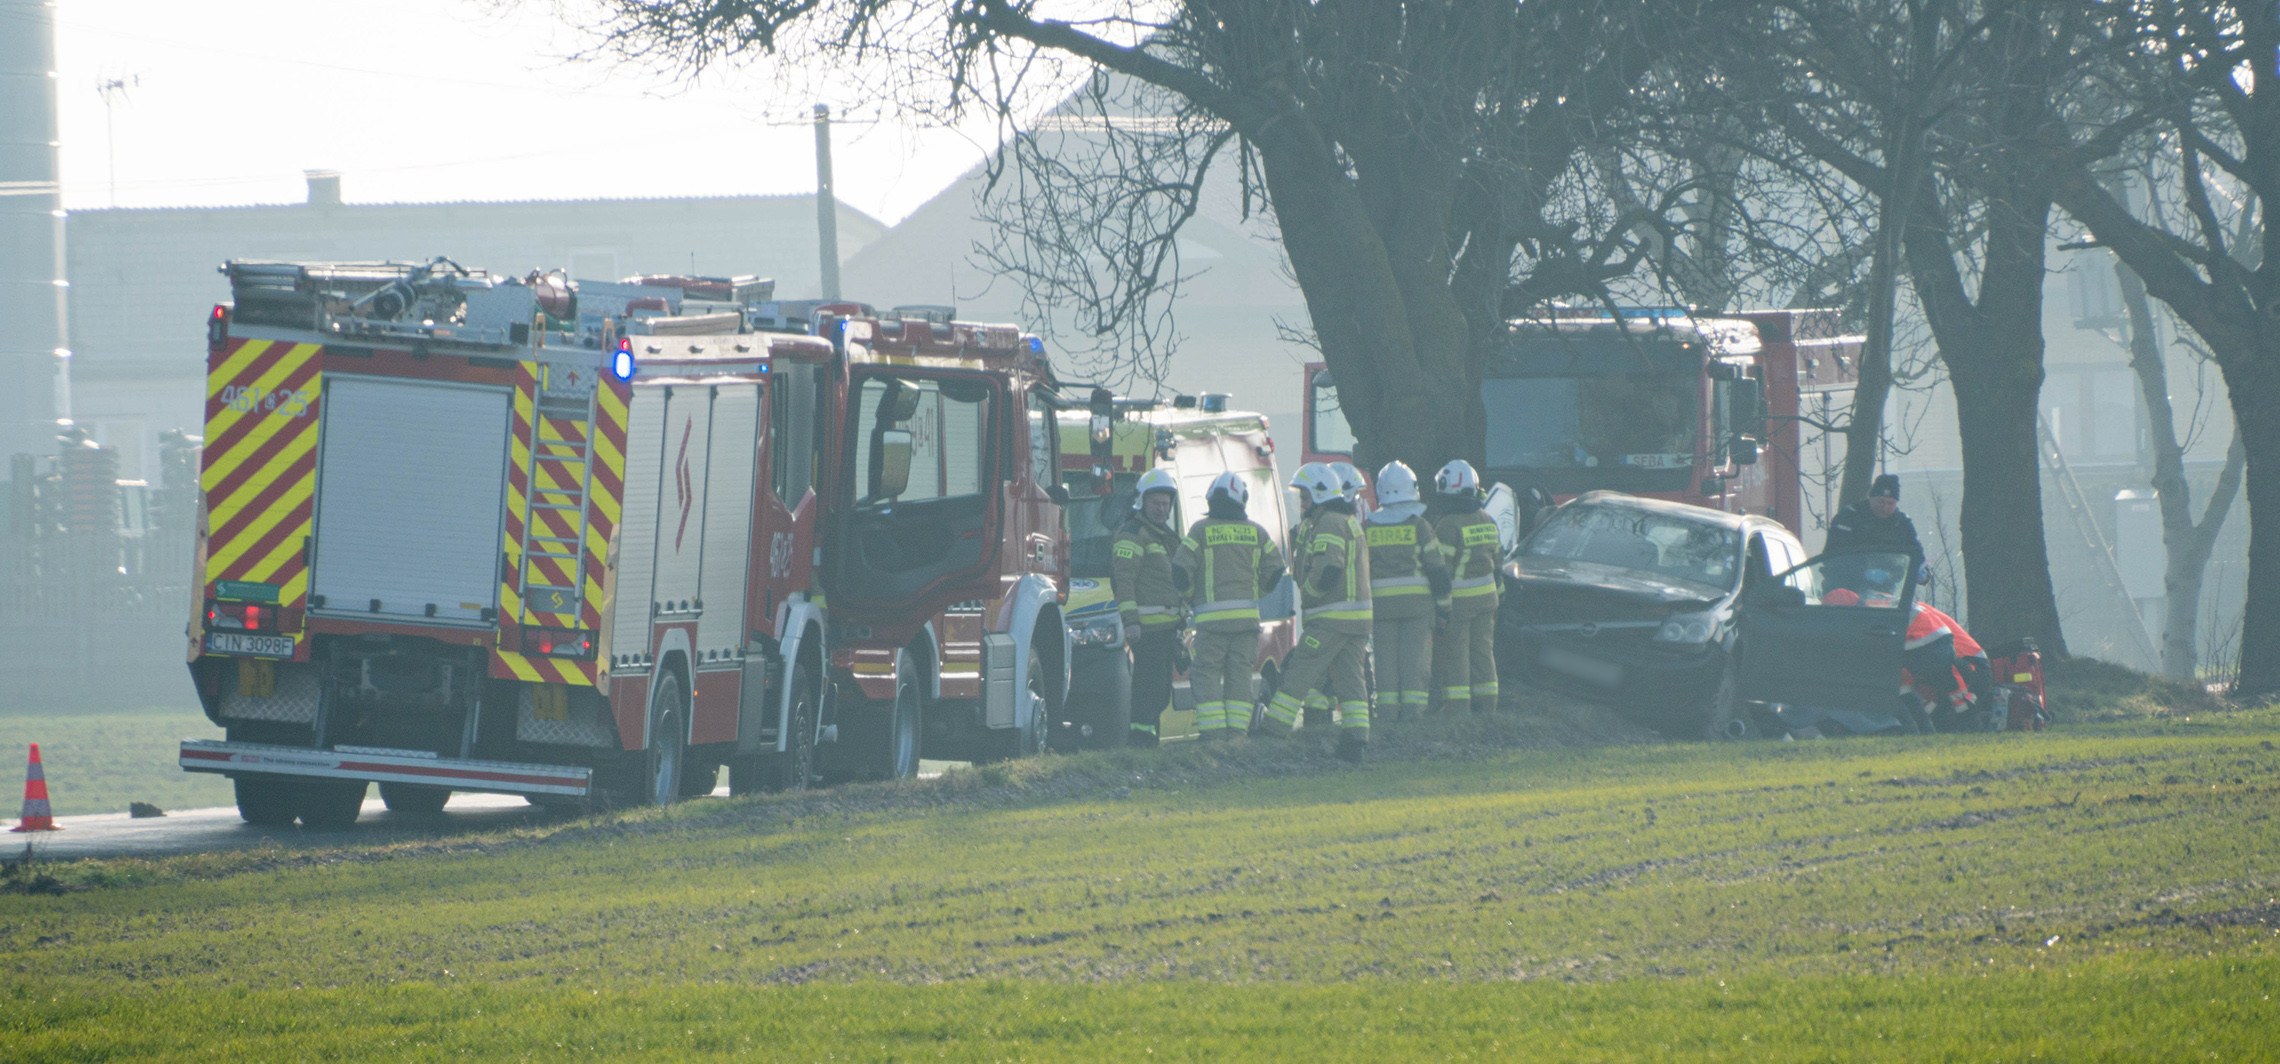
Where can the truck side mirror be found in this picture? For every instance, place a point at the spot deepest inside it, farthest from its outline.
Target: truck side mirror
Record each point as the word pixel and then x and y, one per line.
pixel 1745 450
pixel 890 473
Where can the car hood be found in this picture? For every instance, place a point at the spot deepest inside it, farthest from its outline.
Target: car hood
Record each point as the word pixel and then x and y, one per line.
pixel 1613 581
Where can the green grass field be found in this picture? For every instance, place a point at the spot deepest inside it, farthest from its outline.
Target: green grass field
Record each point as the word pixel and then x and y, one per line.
pixel 98 762
pixel 2100 892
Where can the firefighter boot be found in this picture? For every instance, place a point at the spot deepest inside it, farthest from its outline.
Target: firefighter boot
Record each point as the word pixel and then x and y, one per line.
pixel 1351 745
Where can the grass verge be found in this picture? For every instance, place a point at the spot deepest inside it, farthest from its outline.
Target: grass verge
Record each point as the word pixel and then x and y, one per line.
pixel 2094 892
pixel 98 762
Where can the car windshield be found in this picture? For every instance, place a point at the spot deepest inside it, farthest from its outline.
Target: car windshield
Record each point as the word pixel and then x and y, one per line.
pixel 1657 546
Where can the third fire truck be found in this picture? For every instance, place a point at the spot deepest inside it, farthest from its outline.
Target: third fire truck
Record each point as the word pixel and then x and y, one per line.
pixel 1664 404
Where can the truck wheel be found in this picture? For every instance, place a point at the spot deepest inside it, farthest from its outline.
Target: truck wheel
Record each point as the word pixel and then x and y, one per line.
pixel 668 742
pixel 329 805
pixel 264 801
pixel 413 799
pixel 1044 710
pixel 898 758
pixel 794 768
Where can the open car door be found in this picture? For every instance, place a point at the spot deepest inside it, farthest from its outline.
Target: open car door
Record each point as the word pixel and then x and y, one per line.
pixel 1827 634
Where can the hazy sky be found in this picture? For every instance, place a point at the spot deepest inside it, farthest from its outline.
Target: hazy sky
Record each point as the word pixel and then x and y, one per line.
pixel 424 100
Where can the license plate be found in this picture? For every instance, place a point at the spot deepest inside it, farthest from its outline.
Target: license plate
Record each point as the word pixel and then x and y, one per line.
pixel 260 646
pixel 1605 674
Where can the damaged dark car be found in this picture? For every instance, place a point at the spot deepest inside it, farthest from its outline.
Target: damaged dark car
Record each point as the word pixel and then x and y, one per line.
pixel 1633 602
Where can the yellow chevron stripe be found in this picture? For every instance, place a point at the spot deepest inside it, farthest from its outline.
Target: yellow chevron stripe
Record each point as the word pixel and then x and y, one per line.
pixel 531 668
pixel 222 509
pixel 219 469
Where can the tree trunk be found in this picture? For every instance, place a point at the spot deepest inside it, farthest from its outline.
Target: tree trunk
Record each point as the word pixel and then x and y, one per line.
pixel 2186 543
pixel 1872 388
pixel 2254 383
pixel 2004 557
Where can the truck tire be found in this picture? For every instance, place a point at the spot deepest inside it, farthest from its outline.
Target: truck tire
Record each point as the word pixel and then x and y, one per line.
pixel 329 805
pixel 1100 698
pixel 898 755
pixel 413 799
pixel 265 801
pixel 666 761
pixel 1033 740
pixel 794 768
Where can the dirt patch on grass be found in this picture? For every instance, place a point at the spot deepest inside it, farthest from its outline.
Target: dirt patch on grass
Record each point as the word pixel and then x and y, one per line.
pixel 2085 689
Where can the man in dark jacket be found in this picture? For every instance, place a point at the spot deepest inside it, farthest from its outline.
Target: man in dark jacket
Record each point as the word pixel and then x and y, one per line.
pixel 1875 524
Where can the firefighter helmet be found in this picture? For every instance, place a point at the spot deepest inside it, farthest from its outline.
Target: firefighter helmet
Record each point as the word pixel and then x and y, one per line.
pixel 1456 478
pixel 1350 482
pixel 1317 484
pixel 1154 480
pixel 1396 484
pixel 1229 485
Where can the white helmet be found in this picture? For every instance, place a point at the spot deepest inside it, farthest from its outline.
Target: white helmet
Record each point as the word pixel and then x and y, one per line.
pixel 1456 478
pixel 1350 481
pixel 1317 483
pixel 1231 486
pixel 1396 485
pixel 1154 480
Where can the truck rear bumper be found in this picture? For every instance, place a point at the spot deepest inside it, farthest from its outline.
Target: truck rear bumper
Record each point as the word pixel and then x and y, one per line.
pixel 385 766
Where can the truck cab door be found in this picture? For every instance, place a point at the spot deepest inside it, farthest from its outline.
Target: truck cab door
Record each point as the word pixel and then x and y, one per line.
pixel 1827 634
pixel 921 512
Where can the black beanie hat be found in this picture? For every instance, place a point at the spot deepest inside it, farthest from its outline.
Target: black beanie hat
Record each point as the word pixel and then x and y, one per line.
pixel 1885 486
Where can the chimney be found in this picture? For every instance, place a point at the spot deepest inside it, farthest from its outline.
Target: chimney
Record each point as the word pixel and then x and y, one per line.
pixel 324 187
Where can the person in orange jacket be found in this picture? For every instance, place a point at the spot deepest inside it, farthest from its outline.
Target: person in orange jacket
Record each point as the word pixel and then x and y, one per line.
pixel 1943 670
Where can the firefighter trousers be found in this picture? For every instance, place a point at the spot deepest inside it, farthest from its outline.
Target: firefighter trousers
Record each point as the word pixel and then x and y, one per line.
pixel 1403 665
pixel 1330 662
pixel 1464 663
pixel 1220 675
pixel 1153 655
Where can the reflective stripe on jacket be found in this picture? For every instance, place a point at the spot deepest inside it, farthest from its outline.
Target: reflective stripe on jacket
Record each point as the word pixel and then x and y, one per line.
pixel 1230 563
pixel 1140 572
pixel 1468 541
pixel 1401 552
pixel 1332 565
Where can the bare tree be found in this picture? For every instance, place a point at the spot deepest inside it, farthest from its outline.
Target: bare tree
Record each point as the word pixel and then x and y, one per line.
pixel 1415 156
pixel 2196 77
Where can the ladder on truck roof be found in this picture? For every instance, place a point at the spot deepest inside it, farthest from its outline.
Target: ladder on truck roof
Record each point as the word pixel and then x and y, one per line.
pixel 555 520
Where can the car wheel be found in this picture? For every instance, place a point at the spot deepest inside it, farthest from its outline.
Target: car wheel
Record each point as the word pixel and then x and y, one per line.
pixel 1100 697
pixel 1721 710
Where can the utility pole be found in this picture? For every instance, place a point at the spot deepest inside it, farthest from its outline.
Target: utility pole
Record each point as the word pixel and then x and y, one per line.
pixel 113 90
pixel 826 205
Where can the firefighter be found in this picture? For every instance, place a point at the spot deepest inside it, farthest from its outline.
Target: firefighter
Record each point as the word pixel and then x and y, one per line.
pixel 1226 564
pixel 1409 586
pixel 1332 567
pixel 1464 650
pixel 1141 575
pixel 1351 485
pixel 1944 672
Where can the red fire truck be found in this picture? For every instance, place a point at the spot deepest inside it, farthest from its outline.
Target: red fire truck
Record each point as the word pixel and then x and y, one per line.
pixel 1700 410
pixel 467 532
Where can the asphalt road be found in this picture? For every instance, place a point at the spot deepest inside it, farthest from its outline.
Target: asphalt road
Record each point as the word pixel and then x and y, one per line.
pixel 183 831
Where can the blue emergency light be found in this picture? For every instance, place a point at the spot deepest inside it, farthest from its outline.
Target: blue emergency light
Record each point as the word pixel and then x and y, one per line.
pixel 621 362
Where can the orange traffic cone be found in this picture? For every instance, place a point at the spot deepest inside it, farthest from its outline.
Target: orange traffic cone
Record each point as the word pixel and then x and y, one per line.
pixel 36 817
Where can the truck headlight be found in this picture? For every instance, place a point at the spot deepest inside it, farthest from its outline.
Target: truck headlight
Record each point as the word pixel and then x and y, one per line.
pixel 1694 628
